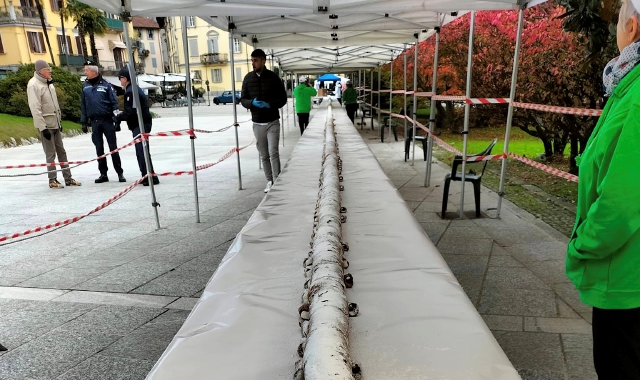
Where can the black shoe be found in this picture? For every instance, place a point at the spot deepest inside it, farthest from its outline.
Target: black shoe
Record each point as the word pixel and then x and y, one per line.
pixel 145 182
pixel 156 180
pixel 102 179
pixel 121 178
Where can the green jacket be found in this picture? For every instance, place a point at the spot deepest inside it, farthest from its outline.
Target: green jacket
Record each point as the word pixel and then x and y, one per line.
pixel 350 96
pixel 303 94
pixel 603 257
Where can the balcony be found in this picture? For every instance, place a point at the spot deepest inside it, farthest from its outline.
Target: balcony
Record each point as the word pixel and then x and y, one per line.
pixel 143 53
pixel 214 58
pixel 71 60
pixel 17 14
pixel 114 24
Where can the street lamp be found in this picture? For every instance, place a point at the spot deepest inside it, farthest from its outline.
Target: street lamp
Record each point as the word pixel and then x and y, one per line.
pixel 208 93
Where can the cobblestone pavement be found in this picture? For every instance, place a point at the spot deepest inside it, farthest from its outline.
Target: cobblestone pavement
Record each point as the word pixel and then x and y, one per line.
pixel 511 268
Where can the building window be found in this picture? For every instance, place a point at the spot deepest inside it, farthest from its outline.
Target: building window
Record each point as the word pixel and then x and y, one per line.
pixel 191 22
pixel 212 41
pixel 216 75
pixel 1 45
pixel 142 47
pixel 238 74
pixel 193 47
pixel 237 46
pixel 197 75
pixel 65 49
pixel 36 42
pixel 152 48
pixel 54 5
pixel 150 34
pixel 154 62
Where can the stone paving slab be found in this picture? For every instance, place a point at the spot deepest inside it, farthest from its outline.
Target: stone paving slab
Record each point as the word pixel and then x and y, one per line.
pixel 103 297
pixel 511 268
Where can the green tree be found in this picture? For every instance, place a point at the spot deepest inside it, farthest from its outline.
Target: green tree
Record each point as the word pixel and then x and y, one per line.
pixel 89 21
pixel 43 22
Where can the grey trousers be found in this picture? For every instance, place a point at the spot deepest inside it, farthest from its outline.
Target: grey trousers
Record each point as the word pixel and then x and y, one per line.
pixel 53 147
pixel 268 137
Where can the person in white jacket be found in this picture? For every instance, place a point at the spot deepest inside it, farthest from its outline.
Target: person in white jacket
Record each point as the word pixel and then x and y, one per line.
pixel 339 92
pixel 47 117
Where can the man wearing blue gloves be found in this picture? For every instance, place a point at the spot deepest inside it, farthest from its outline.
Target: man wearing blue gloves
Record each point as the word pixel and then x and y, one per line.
pixel 263 93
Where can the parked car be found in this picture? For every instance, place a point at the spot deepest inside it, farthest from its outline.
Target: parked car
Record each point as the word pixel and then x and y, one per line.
pixel 226 98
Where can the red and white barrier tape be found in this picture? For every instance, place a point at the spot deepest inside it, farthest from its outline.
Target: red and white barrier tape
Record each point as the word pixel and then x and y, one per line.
pixel 486 158
pixel 548 169
pixel 487 100
pixel 184 132
pixel 137 140
pixel 75 218
pixel 562 110
pixel 424 94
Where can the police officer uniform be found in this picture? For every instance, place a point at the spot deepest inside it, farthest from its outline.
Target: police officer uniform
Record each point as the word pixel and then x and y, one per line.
pixel 99 107
pixel 130 115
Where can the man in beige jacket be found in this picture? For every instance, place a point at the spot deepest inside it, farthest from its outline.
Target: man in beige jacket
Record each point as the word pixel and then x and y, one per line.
pixel 47 117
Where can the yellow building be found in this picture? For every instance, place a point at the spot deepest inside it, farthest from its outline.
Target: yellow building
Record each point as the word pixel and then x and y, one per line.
pixel 22 40
pixel 208 54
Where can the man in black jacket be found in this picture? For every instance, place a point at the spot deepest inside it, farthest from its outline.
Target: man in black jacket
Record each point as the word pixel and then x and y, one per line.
pixel 263 93
pixel 130 115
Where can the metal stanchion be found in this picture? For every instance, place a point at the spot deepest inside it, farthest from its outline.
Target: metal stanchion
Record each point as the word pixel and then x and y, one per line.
pixel 126 17
pixel 235 105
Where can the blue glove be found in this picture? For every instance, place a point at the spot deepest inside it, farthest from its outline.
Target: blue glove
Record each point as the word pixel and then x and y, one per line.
pixel 260 103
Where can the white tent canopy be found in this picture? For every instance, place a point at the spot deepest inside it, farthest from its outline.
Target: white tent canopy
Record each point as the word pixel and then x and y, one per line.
pixel 116 82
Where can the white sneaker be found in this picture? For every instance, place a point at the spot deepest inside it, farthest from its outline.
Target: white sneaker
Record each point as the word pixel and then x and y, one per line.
pixel 269 185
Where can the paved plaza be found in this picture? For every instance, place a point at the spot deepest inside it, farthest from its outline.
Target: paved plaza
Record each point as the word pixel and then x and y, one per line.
pixel 103 297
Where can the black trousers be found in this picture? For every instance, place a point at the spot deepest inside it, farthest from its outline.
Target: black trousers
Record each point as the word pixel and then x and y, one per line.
pixel 140 151
pixel 339 100
pixel 104 128
pixel 616 343
pixel 351 111
pixel 303 121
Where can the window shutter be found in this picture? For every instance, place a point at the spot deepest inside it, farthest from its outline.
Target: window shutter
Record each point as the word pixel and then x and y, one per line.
pixel 1 45
pixel 43 49
pixel 152 48
pixel 69 46
pixel 79 45
pixel 193 47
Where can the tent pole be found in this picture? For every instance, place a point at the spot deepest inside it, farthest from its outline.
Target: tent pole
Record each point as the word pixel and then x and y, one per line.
pixel 404 97
pixel 371 108
pixel 390 94
pixel 235 105
pixel 136 100
pixel 414 110
pixel 187 68
pixel 467 111
pixel 359 93
pixel 433 110
pixel 379 100
pixel 512 95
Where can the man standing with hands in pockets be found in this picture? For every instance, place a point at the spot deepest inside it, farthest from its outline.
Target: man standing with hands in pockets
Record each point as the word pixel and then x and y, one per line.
pixel 263 93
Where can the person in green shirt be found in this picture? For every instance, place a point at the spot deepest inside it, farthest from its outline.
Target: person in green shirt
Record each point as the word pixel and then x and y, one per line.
pixel 603 256
pixel 350 100
pixel 303 94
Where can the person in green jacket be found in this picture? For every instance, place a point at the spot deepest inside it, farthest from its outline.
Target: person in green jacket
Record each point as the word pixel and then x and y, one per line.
pixel 603 256
pixel 350 100
pixel 303 94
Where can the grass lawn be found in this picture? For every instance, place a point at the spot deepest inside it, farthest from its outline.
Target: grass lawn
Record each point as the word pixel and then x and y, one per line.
pixel 20 127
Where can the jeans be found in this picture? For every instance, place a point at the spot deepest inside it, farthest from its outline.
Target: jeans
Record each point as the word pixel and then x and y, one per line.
pixel 303 121
pixel 105 128
pixel 268 137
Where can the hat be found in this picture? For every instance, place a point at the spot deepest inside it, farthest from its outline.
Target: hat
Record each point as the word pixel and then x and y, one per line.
pixel 89 62
pixel 124 73
pixel 304 79
pixel 41 64
pixel 259 53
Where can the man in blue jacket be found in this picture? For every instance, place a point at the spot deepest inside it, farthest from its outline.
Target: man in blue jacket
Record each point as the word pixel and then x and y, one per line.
pixel 130 115
pixel 99 107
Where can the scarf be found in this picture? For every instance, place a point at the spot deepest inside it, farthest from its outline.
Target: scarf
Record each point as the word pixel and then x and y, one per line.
pixel 620 66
